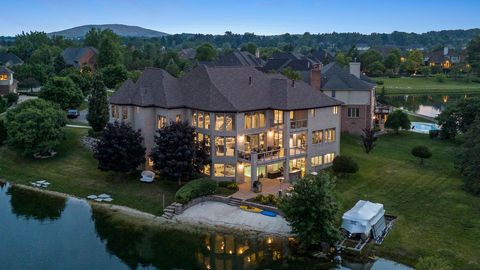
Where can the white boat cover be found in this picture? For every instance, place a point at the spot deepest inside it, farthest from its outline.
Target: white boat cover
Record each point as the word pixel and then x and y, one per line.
pixel 363 216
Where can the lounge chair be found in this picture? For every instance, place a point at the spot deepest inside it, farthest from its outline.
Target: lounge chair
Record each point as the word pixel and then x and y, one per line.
pixel 147 177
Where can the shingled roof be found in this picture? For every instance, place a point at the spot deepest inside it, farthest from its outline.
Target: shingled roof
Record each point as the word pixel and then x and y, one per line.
pixel 72 55
pixel 220 89
pixel 8 58
pixel 238 58
pixel 335 77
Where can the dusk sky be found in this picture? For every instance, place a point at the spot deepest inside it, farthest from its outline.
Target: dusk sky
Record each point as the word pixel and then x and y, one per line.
pixel 260 17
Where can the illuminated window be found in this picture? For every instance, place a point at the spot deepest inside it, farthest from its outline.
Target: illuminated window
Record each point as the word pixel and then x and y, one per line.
pixel 335 110
pixel 219 169
pixel 178 118
pixel 161 121
pixel 277 117
pixel 255 120
pixel 328 158
pixel 353 112
pixel 200 120
pixel 219 146
pixel 330 135
pixel 316 161
pixel 207 120
pixel 114 110
pixel 219 121
pixel 124 113
pixel 229 122
pixel 317 136
pixel 3 77
pixel 230 146
pixel 229 170
pixel 206 169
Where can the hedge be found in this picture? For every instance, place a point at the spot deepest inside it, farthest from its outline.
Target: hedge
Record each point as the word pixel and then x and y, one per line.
pixel 195 188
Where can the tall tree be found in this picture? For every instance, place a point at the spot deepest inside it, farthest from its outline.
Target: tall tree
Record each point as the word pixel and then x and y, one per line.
pixel 35 126
pixel 458 117
pixel 473 53
pixel 98 113
pixel 120 148
pixel 398 120
pixel 59 64
pixel 114 75
pixel 177 155
pixel 63 91
pixel 92 38
pixel 109 49
pixel 206 52
pixel 311 210
pixel 468 161
pixel 249 47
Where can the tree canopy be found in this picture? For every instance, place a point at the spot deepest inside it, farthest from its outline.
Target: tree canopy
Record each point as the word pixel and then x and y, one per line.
pixel 206 52
pixel 63 91
pixel 35 126
pixel 458 117
pixel 398 119
pixel 120 148
pixel 468 161
pixel 311 210
pixel 98 113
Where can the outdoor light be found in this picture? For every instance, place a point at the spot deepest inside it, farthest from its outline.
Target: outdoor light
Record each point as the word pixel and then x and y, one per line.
pixel 241 138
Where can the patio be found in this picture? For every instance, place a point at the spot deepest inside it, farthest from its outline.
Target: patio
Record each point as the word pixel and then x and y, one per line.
pixel 269 186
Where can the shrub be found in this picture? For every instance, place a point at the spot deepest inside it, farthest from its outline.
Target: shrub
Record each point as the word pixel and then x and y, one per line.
pixel 422 152
pixel 269 199
pixel 379 82
pixel 196 188
pixel 440 78
pixel 228 185
pixel 433 134
pixel 11 98
pixel 344 165
pixel 396 120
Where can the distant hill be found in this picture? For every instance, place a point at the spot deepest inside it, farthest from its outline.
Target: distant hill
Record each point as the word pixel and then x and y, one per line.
pixel 119 29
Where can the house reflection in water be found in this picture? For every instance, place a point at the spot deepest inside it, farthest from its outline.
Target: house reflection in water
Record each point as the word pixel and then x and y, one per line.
pixel 226 252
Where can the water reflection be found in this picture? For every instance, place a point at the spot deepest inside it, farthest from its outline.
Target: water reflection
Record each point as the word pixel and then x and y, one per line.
pixel 34 205
pixel 428 105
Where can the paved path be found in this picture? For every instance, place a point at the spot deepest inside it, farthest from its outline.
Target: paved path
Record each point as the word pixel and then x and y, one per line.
pixel 217 213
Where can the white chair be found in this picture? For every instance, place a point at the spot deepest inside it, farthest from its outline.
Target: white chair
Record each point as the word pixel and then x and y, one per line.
pixel 147 177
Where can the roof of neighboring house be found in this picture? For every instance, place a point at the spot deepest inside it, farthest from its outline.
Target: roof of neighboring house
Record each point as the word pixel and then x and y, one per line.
pixel 8 57
pixel 220 89
pixel 4 69
pixel 323 56
pixel 188 53
pixel 335 77
pixel 72 55
pixel 238 58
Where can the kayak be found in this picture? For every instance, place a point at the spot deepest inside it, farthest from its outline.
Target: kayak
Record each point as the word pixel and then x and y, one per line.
pixel 268 213
pixel 250 209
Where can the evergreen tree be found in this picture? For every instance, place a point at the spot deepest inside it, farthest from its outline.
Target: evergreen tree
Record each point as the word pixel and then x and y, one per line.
pixel 59 64
pixel 469 159
pixel 98 113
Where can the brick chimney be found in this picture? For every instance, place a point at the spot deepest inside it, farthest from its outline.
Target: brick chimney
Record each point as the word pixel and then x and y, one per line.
pixel 445 51
pixel 316 76
pixel 355 69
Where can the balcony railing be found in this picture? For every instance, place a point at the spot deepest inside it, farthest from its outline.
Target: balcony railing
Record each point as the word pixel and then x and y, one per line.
pixel 296 150
pixel 263 156
pixel 298 124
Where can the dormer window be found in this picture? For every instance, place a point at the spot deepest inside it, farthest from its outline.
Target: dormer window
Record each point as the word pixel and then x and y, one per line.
pixel 3 77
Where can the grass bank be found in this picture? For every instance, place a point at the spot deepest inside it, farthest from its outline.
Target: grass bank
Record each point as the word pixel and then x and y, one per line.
pixel 435 215
pixel 422 85
pixel 74 171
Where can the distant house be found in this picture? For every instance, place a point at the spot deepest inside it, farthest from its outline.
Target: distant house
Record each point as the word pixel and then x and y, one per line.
pixel 239 58
pixel 188 53
pixel 9 59
pixel 7 83
pixel 356 91
pixel 445 58
pixel 296 61
pixel 323 56
pixel 362 47
pixel 81 57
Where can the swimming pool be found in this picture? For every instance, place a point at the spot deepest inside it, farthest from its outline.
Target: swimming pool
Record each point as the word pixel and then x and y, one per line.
pixel 423 127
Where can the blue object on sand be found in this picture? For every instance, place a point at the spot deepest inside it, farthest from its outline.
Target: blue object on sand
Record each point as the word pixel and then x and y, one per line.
pixel 268 213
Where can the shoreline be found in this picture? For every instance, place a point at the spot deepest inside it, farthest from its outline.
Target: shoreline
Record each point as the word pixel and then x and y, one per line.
pixel 127 213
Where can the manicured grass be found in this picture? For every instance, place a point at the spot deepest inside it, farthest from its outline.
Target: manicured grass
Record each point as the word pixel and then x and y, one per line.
pixel 74 171
pixel 421 85
pixel 435 215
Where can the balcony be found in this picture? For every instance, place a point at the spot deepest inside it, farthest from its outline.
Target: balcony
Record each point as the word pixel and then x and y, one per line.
pixel 296 151
pixel 297 124
pixel 264 156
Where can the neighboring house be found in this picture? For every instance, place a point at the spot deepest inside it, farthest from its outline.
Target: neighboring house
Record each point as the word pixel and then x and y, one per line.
pixel 296 61
pixel 7 83
pixel 323 56
pixel 356 91
pixel 9 59
pixel 81 57
pixel 362 47
pixel 445 58
pixel 258 125
pixel 188 53
pixel 239 58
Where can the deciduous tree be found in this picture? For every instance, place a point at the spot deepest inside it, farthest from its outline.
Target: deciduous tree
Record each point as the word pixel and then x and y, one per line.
pixel 422 152
pixel 176 154
pixel 120 148
pixel 63 91
pixel 114 75
pixel 206 52
pixel 458 117
pixel 396 120
pixel 311 210
pixel 35 126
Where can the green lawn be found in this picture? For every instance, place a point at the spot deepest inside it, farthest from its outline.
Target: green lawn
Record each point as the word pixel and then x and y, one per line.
pixel 421 85
pixel 435 215
pixel 74 171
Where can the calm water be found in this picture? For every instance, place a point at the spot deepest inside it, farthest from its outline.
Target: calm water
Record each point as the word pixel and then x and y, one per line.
pixel 44 232
pixel 428 105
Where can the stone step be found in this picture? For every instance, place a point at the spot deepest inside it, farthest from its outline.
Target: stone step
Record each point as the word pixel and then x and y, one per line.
pixel 169 210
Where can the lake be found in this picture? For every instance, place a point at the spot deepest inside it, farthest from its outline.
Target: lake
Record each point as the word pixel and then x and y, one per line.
pixel 40 231
pixel 428 105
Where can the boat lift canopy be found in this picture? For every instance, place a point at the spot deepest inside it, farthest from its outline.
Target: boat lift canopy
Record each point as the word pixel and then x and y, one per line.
pixel 364 217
